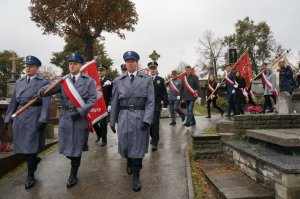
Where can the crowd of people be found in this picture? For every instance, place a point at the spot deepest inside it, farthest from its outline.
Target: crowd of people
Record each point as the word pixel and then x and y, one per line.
pixel 134 100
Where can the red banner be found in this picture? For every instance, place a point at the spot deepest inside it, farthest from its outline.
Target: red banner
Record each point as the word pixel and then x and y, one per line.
pixel 243 65
pixel 98 111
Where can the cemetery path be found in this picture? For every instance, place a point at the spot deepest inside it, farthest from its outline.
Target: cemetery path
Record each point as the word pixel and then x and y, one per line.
pixel 102 173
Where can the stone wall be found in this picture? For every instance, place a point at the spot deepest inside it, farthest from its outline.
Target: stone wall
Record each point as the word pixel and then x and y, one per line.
pixel 284 185
pixel 206 146
pixel 277 121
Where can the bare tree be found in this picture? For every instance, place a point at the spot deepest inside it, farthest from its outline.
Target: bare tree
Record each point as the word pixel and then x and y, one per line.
pixel 51 73
pixel 211 52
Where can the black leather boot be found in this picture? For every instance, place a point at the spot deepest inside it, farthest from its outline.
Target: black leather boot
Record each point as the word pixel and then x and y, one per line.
pixel 136 183
pixel 129 166
pixel 73 177
pixel 30 181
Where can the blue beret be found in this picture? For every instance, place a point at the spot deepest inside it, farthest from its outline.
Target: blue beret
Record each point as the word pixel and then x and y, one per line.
pixel 32 60
pixel 131 55
pixel 153 64
pixel 75 58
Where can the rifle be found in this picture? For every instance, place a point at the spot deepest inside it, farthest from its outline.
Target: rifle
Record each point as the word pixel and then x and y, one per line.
pixel 35 99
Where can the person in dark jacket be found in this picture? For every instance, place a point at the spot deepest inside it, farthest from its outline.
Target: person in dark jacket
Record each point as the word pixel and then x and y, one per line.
pixel 106 85
pixel 212 84
pixel 28 128
pixel 285 77
pixel 190 94
pixel 230 91
pixel 239 98
pixel 161 98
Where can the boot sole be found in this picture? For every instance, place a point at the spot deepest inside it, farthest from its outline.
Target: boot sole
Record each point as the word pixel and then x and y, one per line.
pixel 137 189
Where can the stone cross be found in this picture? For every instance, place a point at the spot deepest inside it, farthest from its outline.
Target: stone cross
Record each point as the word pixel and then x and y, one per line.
pixel 154 56
pixel 13 70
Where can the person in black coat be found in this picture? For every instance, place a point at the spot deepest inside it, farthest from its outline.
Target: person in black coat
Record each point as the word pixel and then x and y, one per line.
pixel 230 91
pixel 190 94
pixel 106 84
pixel 239 98
pixel 285 77
pixel 212 84
pixel 161 98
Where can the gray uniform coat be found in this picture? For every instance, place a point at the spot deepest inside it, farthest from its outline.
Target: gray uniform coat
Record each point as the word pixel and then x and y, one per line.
pixel 172 94
pixel 73 134
pixel 272 79
pixel 133 142
pixel 26 138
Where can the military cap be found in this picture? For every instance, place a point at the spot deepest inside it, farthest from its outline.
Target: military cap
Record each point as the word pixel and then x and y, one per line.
pixel 153 64
pixel 32 60
pixel 131 55
pixel 75 58
pixel 102 67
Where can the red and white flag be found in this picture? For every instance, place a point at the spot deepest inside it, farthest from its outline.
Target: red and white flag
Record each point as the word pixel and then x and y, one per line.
pixel 98 111
pixel 243 65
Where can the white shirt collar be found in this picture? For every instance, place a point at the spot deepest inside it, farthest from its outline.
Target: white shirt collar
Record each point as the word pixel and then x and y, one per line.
pixel 31 78
pixel 76 76
pixel 153 77
pixel 134 73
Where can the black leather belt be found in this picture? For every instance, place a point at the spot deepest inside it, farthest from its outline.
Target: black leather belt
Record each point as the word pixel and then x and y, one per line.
pixel 69 108
pixel 132 107
pixel 35 104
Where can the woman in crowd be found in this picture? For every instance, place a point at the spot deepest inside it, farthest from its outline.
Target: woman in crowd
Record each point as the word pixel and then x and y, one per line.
pixel 239 97
pixel 212 84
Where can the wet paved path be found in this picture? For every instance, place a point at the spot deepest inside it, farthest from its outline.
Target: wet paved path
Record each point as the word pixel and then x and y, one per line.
pixel 103 172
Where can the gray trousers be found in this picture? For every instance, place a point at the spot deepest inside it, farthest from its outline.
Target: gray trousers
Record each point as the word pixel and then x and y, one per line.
pixel 174 108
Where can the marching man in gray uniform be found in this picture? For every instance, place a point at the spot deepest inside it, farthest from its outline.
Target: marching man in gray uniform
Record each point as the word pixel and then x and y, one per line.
pixel 132 108
pixel 73 126
pixel 28 127
pixel 175 89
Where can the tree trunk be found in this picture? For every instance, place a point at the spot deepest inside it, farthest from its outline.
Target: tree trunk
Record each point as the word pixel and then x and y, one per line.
pixel 215 68
pixel 89 48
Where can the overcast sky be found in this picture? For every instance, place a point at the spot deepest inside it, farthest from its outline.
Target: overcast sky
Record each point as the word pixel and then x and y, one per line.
pixel 171 27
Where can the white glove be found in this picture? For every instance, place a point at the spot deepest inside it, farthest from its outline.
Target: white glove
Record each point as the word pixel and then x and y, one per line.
pixel 178 97
pixel 236 85
pixel 198 100
pixel 218 85
pixel 109 108
pixel 233 91
pixel 107 83
pixel 213 96
pixel 164 109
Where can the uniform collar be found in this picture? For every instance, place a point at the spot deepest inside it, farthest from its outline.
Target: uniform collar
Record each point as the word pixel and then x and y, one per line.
pixel 134 73
pixel 76 76
pixel 153 77
pixel 31 78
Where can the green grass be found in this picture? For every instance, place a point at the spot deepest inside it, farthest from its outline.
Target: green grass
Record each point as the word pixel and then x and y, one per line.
pixel 200 110
pixel 210 132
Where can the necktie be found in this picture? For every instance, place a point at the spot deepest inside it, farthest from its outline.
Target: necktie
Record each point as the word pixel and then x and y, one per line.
pixel 131 78
pixel 73 79
pixel 28 80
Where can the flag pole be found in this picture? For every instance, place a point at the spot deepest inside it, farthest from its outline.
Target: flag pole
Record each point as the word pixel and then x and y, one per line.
pixel 34 100
pixel 231 69
pixel 181 74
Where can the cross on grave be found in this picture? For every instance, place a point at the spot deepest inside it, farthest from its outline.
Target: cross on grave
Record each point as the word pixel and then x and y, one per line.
pixel 154 56
pixel 13 70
